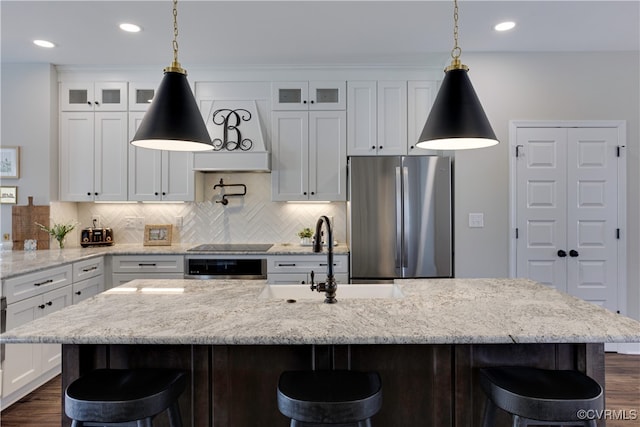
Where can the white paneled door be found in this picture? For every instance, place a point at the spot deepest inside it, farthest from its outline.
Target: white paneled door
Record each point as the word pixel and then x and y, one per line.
pixel 568 200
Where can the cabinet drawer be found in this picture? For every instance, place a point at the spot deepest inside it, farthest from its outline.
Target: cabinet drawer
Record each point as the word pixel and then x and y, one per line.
pixel 306 263
pixel 87 288
pixel 28 285
pixel 88 268
pixel 148 264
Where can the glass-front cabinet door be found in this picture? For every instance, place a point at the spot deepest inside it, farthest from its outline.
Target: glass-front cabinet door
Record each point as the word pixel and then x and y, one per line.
pixel 314 95
pixel 141 95
pixel 93 96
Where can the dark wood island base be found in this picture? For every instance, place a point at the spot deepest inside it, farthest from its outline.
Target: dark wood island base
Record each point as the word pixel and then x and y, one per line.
pixel 423 385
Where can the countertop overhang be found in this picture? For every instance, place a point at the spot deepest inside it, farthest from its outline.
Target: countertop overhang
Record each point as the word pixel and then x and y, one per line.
pixel 229 312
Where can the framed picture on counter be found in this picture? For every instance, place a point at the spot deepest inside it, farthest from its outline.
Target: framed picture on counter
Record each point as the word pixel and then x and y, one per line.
pixel 10 162
pixel 9 195
pixel 157 234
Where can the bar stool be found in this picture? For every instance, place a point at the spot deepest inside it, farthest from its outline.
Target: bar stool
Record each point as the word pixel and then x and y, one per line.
pixel 541 396
pixel 125 395
pixel 329 398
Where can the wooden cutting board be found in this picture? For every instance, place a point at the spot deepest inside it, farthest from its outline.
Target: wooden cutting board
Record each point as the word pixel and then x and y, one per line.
pixel 24 226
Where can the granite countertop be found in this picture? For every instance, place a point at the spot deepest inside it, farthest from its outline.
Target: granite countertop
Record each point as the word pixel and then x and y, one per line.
pixel 20 262
pixel 438 311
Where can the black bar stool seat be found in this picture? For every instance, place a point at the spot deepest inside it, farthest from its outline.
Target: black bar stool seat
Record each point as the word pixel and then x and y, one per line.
pixel 329 398
pixel 533 395
pixel 125 395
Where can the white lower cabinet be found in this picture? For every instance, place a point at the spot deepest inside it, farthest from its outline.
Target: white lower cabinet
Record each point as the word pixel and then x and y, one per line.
pixel 31 296
pixel 27 366
pixel 130 267
pixel 296 269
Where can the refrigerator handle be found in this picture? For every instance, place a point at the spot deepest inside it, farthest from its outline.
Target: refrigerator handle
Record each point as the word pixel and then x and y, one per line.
pixel 405 204
pixel 399 219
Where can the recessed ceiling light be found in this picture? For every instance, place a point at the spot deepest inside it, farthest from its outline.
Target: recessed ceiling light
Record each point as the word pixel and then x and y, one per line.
pixel 130 28
pixel 43 43
pixel 505 26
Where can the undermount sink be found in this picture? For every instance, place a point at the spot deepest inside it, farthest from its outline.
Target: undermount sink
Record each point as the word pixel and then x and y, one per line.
pixel 302 292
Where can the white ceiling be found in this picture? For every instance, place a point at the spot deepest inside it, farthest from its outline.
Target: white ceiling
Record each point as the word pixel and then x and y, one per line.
pixel 224 33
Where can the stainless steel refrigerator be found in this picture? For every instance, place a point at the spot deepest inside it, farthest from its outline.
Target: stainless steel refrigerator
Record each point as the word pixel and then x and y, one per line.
pixel 400 218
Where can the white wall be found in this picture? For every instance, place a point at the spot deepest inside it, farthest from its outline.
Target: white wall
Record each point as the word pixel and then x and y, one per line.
pixel 577 86
pixel 29 119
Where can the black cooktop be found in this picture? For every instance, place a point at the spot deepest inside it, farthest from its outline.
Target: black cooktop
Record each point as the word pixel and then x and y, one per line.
pixel 232 247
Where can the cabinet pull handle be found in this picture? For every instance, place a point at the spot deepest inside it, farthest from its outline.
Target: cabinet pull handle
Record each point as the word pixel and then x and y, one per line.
pixel 86 270
pixel 41 306
pixel 286 265
pixel 324 264
pixel 146 264
pixel 43 283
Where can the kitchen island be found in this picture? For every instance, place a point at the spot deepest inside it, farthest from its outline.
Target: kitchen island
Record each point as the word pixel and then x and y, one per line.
pixel 426 345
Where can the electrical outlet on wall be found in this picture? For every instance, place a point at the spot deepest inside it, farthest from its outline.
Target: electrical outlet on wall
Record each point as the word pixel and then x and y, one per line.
pixel 6 237
pixel 139 223
pixel 129 222
pixel 95 221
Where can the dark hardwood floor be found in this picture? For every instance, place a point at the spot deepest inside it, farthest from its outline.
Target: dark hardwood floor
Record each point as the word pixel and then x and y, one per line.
pixel 42 407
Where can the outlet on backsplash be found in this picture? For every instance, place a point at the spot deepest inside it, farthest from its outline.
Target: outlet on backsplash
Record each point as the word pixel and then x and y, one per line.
pixel 95 221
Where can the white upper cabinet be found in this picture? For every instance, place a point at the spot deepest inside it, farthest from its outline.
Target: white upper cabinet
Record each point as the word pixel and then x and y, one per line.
pixel 377 116
pixel 158 175
pixel 420 97
pixel 313 95
pixel 309 156
pixel 140 95
pixel 93 156
pixel 93 96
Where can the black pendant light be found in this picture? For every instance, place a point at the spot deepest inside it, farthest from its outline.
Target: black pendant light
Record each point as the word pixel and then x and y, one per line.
pixel 173 121
pixel 457 120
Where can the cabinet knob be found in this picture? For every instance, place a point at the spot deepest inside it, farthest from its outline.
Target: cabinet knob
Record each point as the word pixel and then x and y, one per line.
pixel 380 147
pixel 155 194
pixel 305 193
pixel 573 253
pixel 88 102
pixel 50 303
pixel 304 102
pixel 313 192
pixel 79 293
pixel 411 148
pixel 303 282
pixel 562 253
pixel 164 194
pixel 313 102
pixel 88 193
pixel 95 194
pixel 97 103
pixel 373 147
pixel 41 306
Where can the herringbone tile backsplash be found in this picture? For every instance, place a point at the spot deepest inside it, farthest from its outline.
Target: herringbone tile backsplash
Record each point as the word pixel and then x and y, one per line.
pixel 253 218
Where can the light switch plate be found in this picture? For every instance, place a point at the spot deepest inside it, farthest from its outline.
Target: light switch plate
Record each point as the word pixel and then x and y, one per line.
pixel 476 220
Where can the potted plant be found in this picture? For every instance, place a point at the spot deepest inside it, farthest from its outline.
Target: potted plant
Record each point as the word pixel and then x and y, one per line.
pixel 305 236
pixel 58 231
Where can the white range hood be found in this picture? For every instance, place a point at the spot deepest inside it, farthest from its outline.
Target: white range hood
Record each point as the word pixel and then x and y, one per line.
pixel 234 127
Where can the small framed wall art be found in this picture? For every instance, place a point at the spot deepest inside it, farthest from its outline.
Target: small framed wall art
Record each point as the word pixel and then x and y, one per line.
pixel 9 195
pixel 10 162
pixel 157 234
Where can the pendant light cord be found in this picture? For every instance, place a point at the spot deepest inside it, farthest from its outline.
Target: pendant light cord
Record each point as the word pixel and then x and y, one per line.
pixel 456 51
pixel 175 65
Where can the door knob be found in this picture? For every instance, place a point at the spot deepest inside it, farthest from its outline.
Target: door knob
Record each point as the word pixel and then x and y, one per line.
pixel 573 253
pixel 562 253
